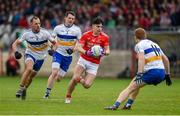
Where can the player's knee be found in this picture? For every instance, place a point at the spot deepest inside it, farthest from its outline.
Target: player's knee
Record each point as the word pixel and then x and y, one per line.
pixel 29 69
pixel 54 73
pixel 132 88
pixel 58 78
pixel 76 79
pixel 29 81
pixel 87 85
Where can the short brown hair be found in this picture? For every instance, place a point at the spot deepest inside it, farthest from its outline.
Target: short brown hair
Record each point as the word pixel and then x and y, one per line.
pixel 70 12
pixel 140 33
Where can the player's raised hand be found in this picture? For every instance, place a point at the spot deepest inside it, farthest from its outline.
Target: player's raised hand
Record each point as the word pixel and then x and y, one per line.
pixel 17 55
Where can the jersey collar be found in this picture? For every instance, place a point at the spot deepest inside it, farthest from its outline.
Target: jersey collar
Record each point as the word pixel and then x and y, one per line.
pixel 68 26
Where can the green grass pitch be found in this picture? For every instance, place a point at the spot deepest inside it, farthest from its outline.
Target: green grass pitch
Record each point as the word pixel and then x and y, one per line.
pixel 160 100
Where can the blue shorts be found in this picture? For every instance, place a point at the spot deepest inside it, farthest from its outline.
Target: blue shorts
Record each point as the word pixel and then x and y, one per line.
pixel 61 61
pixel 154 76
pixel 37 63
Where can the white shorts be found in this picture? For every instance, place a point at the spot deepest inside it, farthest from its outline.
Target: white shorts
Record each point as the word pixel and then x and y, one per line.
pixel 61 72
pixel 88 66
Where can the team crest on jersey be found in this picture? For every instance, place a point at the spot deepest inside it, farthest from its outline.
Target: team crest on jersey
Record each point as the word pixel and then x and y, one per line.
pixel 98 41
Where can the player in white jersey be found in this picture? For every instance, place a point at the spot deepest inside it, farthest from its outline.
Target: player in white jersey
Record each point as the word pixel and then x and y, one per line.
pixel 37 46
pixel 153 68
pixel 67 34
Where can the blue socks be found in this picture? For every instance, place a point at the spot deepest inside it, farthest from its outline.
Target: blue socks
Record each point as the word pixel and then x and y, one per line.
pixel 117 104
pixel 129 102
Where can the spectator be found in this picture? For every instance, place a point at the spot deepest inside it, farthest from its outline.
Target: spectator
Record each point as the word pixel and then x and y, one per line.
pixel 164 19
pixel 12 66
pixel 52 11
pixel 23 22
pixel 144 21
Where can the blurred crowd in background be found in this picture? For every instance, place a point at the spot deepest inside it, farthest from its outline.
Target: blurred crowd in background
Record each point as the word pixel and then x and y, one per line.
pixel 119 17
pixel 116 13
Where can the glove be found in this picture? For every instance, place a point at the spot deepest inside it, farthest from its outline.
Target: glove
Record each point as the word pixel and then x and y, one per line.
pixel 69 51
pixel 138 79
pixel 89 52
pixel 168 80
pixel 51 52
pixel 17 55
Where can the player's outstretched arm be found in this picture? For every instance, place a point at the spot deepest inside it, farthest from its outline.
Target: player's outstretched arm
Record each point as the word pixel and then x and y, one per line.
pixel 167 68
pixel 166 64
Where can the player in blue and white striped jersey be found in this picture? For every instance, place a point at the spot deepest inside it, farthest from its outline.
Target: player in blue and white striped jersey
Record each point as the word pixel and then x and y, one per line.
pixel 37 40
pixel 153 68
pixel 67 35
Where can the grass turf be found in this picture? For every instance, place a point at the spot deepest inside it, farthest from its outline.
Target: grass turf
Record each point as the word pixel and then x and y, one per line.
pixel 152 100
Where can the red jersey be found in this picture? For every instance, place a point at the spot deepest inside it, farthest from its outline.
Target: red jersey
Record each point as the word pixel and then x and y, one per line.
pixel 88 40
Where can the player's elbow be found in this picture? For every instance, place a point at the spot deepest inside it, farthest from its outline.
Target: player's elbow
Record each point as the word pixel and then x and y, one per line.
pixel 165 59
pixel 14 45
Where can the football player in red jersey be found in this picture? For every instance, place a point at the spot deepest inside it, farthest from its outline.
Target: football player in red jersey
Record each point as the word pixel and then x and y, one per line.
pixel 87 62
